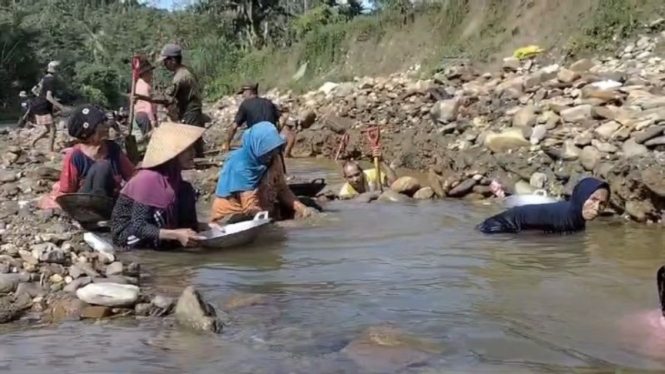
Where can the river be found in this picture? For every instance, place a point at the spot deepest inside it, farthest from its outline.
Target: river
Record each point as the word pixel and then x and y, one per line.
pixel 496 304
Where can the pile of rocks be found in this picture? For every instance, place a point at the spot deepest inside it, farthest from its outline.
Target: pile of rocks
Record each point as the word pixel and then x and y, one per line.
pixel 527 126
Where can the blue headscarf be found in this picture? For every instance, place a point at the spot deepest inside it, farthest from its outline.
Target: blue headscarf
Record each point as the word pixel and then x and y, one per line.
pixel 244 169
pixel 562 217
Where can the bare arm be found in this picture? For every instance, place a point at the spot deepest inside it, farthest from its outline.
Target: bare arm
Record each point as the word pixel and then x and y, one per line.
pixel 52 100
pixel 391 176
pixel 229 136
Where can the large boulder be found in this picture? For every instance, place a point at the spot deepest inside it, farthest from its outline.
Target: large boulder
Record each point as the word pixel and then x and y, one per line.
pixel 406 185
pixel 194 313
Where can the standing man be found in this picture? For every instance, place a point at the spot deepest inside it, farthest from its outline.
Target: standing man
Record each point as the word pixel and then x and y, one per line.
pixel 183 97
pixel 45 103
pixel 252 110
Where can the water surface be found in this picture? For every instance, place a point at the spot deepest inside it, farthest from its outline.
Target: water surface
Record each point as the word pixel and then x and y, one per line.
pixel 497 304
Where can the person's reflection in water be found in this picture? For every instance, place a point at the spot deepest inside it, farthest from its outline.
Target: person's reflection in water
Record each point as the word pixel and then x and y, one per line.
pixel 589 199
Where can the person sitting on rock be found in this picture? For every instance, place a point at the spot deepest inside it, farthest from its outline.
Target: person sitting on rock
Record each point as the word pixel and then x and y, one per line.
pixel 253 179
pixel 157 208
pixel 359 181
pixel 590 197
pixel 95 165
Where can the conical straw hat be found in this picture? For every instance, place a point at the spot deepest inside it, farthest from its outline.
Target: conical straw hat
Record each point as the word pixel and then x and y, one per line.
pixel 169 140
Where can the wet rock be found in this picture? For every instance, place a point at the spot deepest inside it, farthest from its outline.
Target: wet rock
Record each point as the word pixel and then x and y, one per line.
pixel 162 302
pixel 462 188
pixel 95 312
pixel 606 130
pixel 143 309
pixel 639 210
pixel 65 309
pixel 510 139
pixel 395 197
pixel 406 185
pixel 434 181
pixel 243 300
pixel 425 193
pixel 632 149
pixel 192 312
pixel 367 197
pixel 12 309
pixel 577 114
pixel 525 117
pixel 114 268
pixel 384 348
pixel 109 294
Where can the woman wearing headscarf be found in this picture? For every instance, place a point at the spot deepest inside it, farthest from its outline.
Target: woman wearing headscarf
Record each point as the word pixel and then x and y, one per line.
pixel 156 209
pixel 590 197
pixel 95 165
pixel 253 180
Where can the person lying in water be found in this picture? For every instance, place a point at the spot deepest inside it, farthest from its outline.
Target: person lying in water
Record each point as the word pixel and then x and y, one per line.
pixel 359 181
pixel 157 208
pixel 253 180
pixel 95 165
pixel 590 197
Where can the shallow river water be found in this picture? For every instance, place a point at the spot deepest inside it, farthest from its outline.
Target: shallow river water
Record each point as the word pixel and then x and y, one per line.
pixel 495 304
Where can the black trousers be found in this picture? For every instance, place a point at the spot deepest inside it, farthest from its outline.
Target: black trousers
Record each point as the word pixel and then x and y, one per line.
pixel 100 180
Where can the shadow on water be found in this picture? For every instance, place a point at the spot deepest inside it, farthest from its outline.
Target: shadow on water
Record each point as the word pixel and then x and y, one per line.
pixel 511 304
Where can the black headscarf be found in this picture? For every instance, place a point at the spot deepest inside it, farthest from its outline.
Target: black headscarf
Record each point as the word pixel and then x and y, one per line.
pixel 561 217
pixel 84 121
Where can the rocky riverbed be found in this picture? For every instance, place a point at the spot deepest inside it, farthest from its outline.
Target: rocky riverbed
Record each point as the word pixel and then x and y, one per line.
pixel 528 126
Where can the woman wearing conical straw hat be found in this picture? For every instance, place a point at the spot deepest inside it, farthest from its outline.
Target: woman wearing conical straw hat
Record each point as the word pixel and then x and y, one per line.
pixel 157 208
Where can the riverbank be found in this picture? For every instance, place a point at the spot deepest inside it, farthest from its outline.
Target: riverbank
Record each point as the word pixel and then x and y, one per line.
pixel 528 126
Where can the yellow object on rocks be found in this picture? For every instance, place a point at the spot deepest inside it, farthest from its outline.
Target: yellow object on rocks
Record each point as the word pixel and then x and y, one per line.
pixel 527 52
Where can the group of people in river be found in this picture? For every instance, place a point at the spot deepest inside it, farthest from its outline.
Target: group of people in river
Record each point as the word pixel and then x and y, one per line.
pixel 155 207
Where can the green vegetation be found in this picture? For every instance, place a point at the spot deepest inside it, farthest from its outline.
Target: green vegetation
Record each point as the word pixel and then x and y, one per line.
pixel 613 20
pixel 230 41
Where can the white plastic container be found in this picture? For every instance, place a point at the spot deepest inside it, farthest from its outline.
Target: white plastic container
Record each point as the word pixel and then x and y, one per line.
pixel 538 197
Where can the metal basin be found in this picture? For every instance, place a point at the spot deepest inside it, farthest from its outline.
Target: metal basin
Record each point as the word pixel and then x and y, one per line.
pixel 235 234
pixel 310 189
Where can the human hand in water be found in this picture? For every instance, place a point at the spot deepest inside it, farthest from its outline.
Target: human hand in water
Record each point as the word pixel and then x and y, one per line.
pixel 186 237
